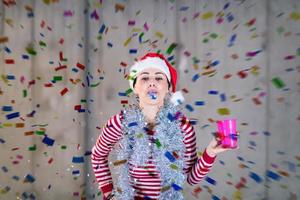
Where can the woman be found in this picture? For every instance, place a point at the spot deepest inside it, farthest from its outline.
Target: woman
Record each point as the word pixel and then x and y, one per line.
pixel 156 142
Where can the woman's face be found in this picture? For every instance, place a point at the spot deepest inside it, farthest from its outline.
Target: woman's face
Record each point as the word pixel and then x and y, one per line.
pixel 151 86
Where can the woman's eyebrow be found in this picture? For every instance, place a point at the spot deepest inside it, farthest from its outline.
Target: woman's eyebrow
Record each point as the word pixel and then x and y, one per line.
pixel 144 73
pixel 159 73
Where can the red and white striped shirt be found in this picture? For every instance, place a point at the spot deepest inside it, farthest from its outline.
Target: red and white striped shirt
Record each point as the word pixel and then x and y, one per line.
pixel 147 179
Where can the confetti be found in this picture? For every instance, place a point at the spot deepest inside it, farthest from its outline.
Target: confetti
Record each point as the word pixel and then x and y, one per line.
pixel 255 177
pixel 78 159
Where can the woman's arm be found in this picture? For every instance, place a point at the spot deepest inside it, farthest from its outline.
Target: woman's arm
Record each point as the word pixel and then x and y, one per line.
pixel 110 134
pixel 196 167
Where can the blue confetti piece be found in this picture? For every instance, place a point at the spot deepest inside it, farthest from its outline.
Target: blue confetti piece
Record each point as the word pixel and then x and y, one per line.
pixel 29 178
pixel 170 58
pixel 10 77
pixel 109 44
pixel 229 17
pixel 240 158
pixel 223 97
pixel 122 94
pixel 4 169
pixel 210 180
pixel 215 63
pixel 132 124
pixel 189 107
pixel 170 156
pixel 221 162
pixel 226 6
pixel 7 108
pixel 87 153
pixel 74 69
pixel 199 103
pixel 88 81
pixel 266 133
pixel 48 141
pixel 76 172
pixel 255 177
pixel 13 115
pixel 176 187
pixel 2 141
pixel 7 50
pixel 214 92
pixel 30 14
pixel 16 178
pixel 232 40
pixel 25 57
pixel 273 175
pixel 102 28
pixel 170 117
pixel 183 8
pixel 214 197
pixel 78 159
pixel 195 77
pixel 132 51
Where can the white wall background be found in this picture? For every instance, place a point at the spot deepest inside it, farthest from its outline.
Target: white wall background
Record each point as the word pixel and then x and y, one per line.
pixel 241 73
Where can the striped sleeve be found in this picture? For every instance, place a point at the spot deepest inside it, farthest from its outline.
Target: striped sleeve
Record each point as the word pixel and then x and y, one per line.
pixel 196 168
pixel 110 134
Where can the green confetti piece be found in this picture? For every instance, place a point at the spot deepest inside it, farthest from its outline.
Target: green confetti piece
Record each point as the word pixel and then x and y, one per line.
pixel 278 83
pixel 213 35
pixel 24 93
pixel 63 147
pixel 205 40
pixel 83 100
pixel 171 48
pixel 40 132
pixel 140 135
pixel 128 91
pixel 173 166
pixel 223 111
pixel 31 51
pixel 95 84
pixel 280 29
pixel 158 144
pixel 57 78
pixel 43 44
pixel 32 148
pixel 298 52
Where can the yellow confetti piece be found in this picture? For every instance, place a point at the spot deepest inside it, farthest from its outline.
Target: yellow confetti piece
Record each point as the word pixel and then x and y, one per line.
pixel 237 195
pixel 159 34
pixel 136 30
pixel 207 15
pixel 295 16
pixel 127 41
pixel 223 111
pixel 119 162
pixel 255 70
pixel 7 125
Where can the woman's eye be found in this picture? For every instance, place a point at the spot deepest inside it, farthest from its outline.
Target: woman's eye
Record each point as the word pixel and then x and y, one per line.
pixel 145 78
pixel 159 78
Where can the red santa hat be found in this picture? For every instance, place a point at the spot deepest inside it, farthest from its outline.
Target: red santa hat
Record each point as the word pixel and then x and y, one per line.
pixel 158 61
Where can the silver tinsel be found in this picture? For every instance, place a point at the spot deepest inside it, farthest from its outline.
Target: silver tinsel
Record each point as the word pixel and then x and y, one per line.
pixel 136 147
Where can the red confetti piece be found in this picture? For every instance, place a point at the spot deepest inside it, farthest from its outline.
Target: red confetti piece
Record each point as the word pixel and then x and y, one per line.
pixel 290 57
pixel 185 90
pixel 256 101
pixel 242 74
pixel 48 85
pixel 123 64
pixel 9 61
pixel 227 76
pixel 124 101
pixel 146 26
pixel 80 66
pixel 61 67
pixel 77 107
pixel 64 91
pixel 50 160
pixel 42 24
pixel 131 22
pixel 61 41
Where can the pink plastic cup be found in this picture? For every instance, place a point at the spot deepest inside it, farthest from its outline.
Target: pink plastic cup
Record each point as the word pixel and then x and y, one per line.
pixel 227 133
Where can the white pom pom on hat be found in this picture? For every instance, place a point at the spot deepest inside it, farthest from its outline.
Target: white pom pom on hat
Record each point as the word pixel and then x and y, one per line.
pixel 158 61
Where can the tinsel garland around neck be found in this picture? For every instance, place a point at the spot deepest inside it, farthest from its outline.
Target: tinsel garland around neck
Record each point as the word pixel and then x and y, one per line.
pixel 165 146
